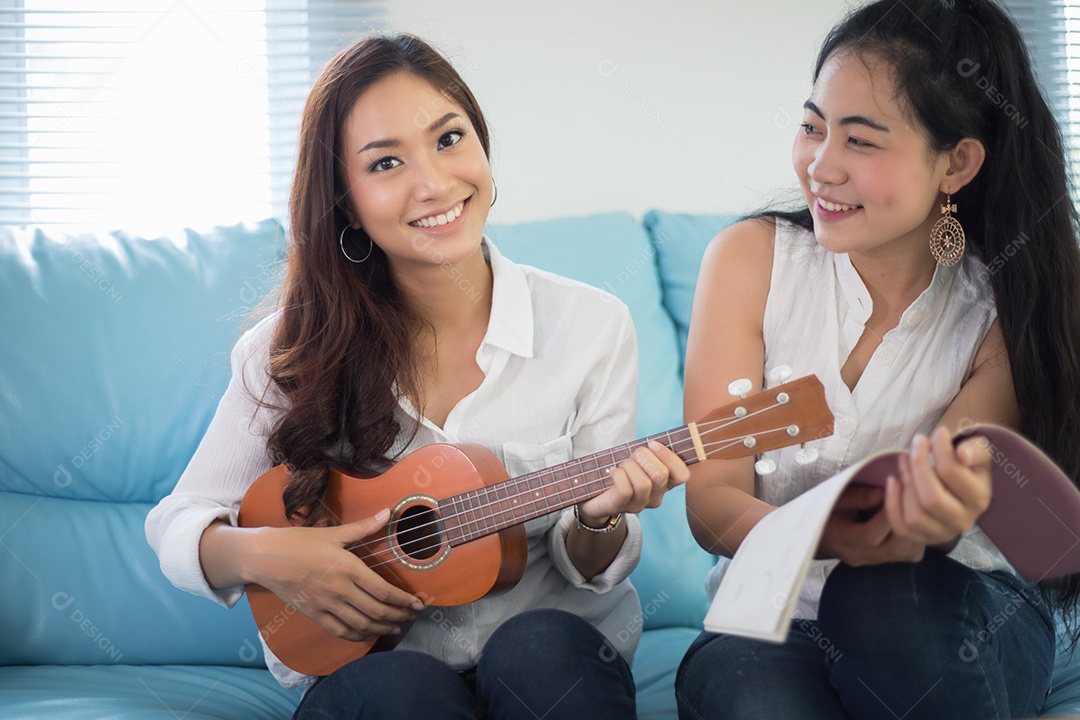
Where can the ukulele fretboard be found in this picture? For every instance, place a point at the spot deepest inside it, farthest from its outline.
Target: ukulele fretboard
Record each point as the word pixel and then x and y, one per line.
pixel 482 512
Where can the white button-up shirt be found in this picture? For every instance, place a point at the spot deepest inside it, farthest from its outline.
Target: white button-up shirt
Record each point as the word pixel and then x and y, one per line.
pixel 560 380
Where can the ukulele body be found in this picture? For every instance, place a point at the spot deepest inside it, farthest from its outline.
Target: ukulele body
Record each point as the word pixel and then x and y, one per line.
pixel 410 552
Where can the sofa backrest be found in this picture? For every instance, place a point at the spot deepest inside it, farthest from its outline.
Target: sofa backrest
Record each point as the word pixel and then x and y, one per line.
pixel 113 356
pixel 114 351
pixel 680 240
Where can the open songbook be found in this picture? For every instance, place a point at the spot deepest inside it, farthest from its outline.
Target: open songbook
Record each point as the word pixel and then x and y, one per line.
pixel 1033 518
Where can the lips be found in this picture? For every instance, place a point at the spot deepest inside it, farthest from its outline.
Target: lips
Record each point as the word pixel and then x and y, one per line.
pixel 835 206
pixel 442 217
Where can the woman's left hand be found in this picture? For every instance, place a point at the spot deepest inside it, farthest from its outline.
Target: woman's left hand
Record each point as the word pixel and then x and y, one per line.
pixel 941 491
pixel 637 483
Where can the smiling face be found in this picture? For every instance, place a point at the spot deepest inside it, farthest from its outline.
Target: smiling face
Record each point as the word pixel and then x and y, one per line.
pixel 418 179
pixel 865 168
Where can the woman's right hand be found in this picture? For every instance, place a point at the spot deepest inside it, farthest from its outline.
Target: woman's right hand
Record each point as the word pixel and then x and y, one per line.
pixel 311 569
pixel 859 532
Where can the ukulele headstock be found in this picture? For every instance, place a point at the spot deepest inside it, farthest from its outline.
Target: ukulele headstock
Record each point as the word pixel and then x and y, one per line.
pixel 789 414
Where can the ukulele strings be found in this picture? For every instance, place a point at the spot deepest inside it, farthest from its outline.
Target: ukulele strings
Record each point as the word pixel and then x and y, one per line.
pixel 676 446
pixel 723 423
pixel 423 540
pixel 707 426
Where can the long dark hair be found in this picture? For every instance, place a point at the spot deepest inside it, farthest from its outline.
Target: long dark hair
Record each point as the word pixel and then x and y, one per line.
pixel 344 346
pixel 961 70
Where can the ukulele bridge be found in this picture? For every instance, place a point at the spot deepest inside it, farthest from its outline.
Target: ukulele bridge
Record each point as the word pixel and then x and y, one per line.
pixel 416 534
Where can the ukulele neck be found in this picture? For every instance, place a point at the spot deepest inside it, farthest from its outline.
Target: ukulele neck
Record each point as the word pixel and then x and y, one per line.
pixel 487 510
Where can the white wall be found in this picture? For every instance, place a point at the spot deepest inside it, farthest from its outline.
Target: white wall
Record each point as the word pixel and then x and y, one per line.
pixel 685 105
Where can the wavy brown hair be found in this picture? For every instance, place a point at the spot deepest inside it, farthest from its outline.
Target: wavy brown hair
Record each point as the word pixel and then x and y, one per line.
pixel 344 347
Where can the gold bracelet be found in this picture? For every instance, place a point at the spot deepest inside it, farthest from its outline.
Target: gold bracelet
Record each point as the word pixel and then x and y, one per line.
pixel 612 523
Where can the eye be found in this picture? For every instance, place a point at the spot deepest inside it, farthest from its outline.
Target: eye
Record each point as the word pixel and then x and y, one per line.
pixel 450 138
pixel 807 128
pixel 859 143
pixel 384 164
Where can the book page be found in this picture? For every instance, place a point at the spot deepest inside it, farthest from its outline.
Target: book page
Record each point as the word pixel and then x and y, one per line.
pixel 761 586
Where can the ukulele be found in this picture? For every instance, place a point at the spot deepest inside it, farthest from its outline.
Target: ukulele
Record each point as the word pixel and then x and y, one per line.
pixel 456 527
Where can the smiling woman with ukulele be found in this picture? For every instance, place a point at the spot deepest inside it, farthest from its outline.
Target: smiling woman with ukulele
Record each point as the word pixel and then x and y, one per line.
pixel 400 326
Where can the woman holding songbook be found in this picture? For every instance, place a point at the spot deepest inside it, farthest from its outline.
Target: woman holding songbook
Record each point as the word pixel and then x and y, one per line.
pixel 931 281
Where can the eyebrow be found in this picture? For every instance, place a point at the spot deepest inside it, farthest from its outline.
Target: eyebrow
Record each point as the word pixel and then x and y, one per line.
pixel 394 143
pixel 850 120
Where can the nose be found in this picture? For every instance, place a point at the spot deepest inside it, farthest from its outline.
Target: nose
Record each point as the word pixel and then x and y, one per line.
pixel 826 167
pixel 432 179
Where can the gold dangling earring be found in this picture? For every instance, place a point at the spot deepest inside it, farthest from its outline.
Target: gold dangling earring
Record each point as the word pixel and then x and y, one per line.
pixel 947 236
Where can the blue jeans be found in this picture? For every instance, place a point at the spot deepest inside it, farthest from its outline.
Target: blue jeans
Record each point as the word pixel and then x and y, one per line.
pixel 547 664
pixel 933 639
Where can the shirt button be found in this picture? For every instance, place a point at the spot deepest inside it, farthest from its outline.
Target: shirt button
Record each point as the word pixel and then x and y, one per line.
pixel 488 350
pixel 846 426
pixel 887 354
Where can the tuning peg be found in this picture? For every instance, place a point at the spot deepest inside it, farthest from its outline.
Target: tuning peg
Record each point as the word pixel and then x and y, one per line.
pixel 780 374
pixel 806 455
pixel 765 466
pixel 739 388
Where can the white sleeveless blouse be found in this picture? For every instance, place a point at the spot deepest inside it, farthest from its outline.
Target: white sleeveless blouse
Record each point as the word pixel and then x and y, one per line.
pixel 814 315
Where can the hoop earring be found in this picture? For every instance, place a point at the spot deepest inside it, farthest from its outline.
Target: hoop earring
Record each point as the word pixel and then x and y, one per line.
pixel 947 236
pixel 341 243
pixel 494 196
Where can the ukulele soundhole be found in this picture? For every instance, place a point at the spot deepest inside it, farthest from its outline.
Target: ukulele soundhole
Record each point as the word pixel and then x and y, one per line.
pixel 420 541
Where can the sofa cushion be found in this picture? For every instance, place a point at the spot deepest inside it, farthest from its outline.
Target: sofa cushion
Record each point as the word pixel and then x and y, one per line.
pixel 655 664
pixel 611 252
pixel 680 240
pixel 83 588
pixel 166 692
pixel 117 352
pixel 670 577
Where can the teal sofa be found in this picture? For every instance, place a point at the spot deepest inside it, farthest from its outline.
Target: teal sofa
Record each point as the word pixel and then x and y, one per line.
pixel 114 351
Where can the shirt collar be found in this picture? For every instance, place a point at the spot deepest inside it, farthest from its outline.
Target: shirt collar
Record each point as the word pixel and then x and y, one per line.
pixel 511 324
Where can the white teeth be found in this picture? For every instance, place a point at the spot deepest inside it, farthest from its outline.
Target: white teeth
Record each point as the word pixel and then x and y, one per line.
pixel 443 219
pixel 836 207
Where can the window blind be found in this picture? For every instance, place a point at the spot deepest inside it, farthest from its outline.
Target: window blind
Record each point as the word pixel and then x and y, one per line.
pixel 1051 30
pixel 149 113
